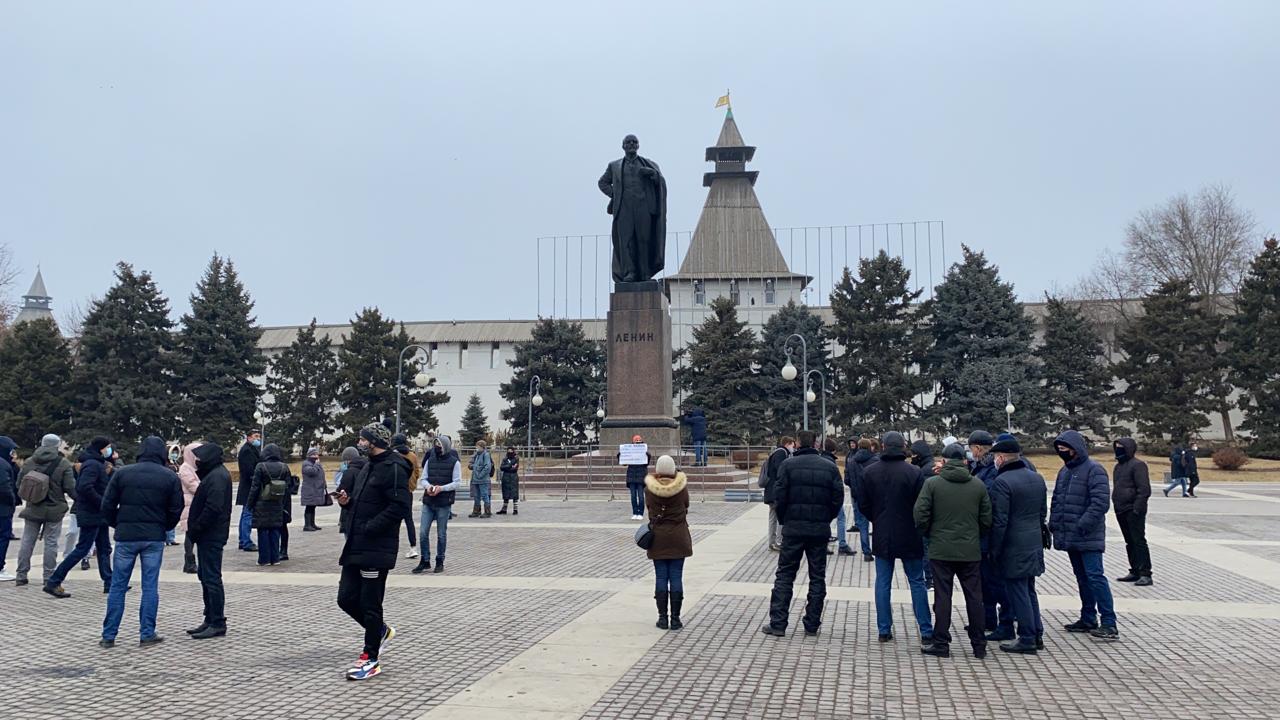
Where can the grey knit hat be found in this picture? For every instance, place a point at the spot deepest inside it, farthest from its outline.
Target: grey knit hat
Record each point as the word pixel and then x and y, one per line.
pixel 349 454
pixel 50 440
pixel 313 452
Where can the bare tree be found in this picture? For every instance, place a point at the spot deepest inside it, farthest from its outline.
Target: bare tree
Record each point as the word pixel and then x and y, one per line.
pixel 8 274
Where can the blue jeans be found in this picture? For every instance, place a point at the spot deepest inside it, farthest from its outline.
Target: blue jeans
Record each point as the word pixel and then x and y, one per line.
pixel 670 575
pixel 6 529
pixel 841 528
pixel 1026 607
pixel 246 527
pixel 1175 482
pixel 269 546
pixel 1095 592
pixel 480 491
pixel 152 553
pixel 439 516
pixel 89 535
pixel 914 570
pixel 699 452
pixel 861 522
pixel 171 536
pixel 637 498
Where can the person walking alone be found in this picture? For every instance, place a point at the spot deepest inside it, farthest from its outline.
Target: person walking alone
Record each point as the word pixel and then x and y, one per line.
pixel 315 491
pixel 378 503
pixel 666 497
pixel 247 461
pixel 90 487
pixel 510 482
pixel 889 491
pixel 481 481
pixel 807 498
pixel 143 502
pixel 954 512
pixel 1078 521
pixel 44 514
pixel 268 495
pixel 209 527
pixel 1020 506
pixel 1129 495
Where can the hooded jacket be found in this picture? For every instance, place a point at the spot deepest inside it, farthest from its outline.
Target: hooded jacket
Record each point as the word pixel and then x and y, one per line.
pixel 144 500
pixel 8 476
pixel 380 501
pixel 270 514
pixel 91 483
pixel 481 466
pixel 809 495
pixel 887 497
pixel 667 503
pixel 189 476
pixel 1132 486
pixel 1177 468
pixel 922 457
pixel 855 467
pixel 954 512
pixel 442 468
pixel 209 517
pixel 696 419
pixel 1019 504
pixel 248 460
pixel 510 470
pixel 62 485
pixel 1081 498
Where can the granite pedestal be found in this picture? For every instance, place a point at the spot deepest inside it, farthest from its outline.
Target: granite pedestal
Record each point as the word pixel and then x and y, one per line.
pixel 639 400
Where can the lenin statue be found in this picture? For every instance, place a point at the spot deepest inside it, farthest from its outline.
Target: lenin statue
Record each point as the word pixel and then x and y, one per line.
pixel 638 203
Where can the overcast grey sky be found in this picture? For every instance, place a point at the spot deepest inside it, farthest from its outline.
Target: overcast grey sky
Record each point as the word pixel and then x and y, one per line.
pixel 406 155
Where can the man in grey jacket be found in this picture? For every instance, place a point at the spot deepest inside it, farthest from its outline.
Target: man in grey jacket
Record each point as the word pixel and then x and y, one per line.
pixel 45 514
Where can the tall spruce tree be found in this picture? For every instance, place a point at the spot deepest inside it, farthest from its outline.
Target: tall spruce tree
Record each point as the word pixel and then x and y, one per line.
pixel 981 347
pixel 721 379
pixel 474 424
pixel 369 362
pixel 125 366
pixel 218 357
pixel 1254 350
pixel 303 384
pixel 1169 364
pixel 35 382
pixel 571 369
pixel 1076 382
pixel 877 323
pixel 783 403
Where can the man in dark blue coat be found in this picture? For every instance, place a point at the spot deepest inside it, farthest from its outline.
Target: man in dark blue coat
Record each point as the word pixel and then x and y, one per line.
pixel 143 501
pixel 696 419
pixel 995 605
pixel 248 459
pixel 1019 501
pixel 91 483
pixel 855 466
pixel 808 496
pixel 1078 521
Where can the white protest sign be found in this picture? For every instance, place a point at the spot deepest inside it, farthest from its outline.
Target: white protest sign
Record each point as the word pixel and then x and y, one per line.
pixel 633 454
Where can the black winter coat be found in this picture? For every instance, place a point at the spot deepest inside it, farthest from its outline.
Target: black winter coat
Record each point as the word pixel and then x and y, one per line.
pixel 772 467
pixel 855 468
pixel 888 498
pixel 380 501
pixel 1131 488
pixel 91 484
pixel 8 477
pixel 808 495
pixel 144 500
pixel 271 514
pixel 1019 506
pixel 248 460
pixel 209 519
pixel 347 483
pixel 922 457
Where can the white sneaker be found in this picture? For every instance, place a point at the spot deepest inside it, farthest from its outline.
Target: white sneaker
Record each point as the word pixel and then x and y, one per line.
pixel 413 553
pixel 5 577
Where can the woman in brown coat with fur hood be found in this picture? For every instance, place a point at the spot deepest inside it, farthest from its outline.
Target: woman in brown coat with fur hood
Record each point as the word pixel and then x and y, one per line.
pixel 666 497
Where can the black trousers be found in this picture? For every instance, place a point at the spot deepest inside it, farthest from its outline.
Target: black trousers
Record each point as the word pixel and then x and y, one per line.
pixel 284 539
pixel 410 530
pixel 945 573
pixel 188 551
pixel 1134 528
pixel 360 594
pixel 815 550
pixel 996 612
pixel 1195 480
pixel 209 571
pixel 309 516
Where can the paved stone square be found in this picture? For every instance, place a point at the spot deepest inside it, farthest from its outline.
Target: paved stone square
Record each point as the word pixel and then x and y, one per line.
pixel 550 615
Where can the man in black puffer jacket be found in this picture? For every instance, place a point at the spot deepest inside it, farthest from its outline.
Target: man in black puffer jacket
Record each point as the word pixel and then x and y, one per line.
pixel 91 483
pixel 208 526
pixel 1130 492
pixel 378 503
pixel 143 501
pixel 807 498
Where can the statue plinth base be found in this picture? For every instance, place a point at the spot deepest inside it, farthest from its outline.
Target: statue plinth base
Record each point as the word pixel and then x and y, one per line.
pixel 639 372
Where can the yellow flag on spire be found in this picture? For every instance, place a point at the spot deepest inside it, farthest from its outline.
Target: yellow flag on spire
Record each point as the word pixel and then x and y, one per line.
pixel 724 100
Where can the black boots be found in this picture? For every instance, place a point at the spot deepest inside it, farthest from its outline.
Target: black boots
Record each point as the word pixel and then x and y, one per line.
pixel 677 601
pixel 475 510
pixel 423 566
pixel 1131 577
pixel 487 510
pixel 662 597
pixel 189 566
pixel 212 631
pixel 503 511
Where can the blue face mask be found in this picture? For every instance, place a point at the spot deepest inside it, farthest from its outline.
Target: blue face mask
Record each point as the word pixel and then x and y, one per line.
pixel 106 452
pixel 343 466
pixel 256 443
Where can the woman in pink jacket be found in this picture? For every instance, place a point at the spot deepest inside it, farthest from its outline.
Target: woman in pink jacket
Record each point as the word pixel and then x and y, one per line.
pixel 187 475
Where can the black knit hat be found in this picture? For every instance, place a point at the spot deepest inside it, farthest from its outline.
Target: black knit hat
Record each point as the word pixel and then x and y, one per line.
pixel 377 434
pixel 954 451
pixel 1008 445
pixel 99 443
pixel 981 437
